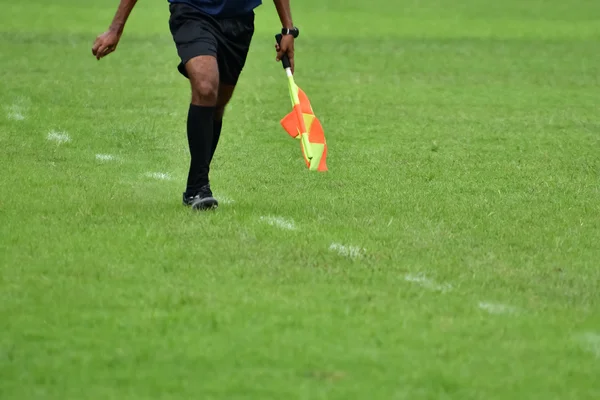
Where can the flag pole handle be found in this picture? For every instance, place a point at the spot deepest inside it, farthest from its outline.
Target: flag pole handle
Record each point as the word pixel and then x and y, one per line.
pixel 285 60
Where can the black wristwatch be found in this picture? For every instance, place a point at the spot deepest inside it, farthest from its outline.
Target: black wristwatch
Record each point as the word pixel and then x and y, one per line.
pixel 294 32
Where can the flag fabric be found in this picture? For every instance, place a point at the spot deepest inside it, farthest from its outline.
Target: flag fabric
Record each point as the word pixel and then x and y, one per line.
pixel 302 124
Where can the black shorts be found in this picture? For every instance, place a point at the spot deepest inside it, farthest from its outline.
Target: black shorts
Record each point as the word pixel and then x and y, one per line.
pixel 198 34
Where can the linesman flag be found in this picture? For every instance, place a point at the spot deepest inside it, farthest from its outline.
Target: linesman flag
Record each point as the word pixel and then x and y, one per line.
pixel 302 124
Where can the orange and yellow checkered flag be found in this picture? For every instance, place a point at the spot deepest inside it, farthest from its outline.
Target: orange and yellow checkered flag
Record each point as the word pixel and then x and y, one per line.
pixel 302 123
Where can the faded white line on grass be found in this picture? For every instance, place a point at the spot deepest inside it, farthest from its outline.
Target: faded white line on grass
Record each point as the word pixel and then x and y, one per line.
pixel 496 308
pixel 16 116
pixel 591 342
pixel 280 222
pixel 346 251
pixel 225 199
pixel 105 157
pixel 162 176
pixel 15 113
pixel 428 283
pixel 58 137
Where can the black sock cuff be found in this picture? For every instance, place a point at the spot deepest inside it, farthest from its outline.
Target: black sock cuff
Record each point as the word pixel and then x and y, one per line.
pixel 203 109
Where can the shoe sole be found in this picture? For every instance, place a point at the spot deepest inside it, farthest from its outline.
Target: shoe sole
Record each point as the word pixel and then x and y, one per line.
pixel 206 203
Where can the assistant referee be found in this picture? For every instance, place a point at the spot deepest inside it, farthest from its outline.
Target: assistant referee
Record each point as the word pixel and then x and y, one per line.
pixel 212 38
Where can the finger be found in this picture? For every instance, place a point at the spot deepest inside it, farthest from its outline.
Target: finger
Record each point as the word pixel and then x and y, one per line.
pixel 95 47
pixel 100 51
pixel 109 50
pixel 106 50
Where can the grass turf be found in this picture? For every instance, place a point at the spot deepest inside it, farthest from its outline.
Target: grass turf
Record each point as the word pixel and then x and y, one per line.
pixel 464 160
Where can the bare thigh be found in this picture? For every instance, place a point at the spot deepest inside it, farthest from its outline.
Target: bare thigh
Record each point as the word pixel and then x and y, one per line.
pixel 203 73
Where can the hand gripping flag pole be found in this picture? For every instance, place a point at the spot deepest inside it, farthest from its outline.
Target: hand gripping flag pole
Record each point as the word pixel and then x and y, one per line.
pixel 302 123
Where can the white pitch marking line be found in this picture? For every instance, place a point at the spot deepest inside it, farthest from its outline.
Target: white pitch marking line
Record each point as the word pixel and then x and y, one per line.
pixel 159 175
pixel 280 222
pixel 16 116
pixel 346 251
pixel 225 199
pixel 591 342
pixel 428 283
pixel 15 113
pixel 105 157
pixel 496 308
pixel 58 137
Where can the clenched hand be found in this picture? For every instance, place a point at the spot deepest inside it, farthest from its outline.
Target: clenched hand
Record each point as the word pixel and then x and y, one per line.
pixel 286 47
pixel 105 44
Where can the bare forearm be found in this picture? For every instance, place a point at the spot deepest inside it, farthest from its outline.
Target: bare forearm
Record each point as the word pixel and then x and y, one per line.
pixel 118 23
pixel 285 13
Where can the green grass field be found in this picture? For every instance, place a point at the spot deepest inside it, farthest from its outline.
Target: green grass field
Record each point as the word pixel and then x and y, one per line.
pixel 451 252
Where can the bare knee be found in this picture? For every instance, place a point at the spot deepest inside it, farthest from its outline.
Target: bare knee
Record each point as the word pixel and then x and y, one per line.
pixel 205 92
pixel 203 72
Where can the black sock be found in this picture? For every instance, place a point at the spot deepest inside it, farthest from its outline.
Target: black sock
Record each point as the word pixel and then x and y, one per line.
pixel 200 139
pixel 217 126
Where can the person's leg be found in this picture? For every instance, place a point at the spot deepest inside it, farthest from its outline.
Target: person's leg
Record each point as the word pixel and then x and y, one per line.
pixel 233 40
pixel 203 73
pixel 225 94
pixel 195 37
